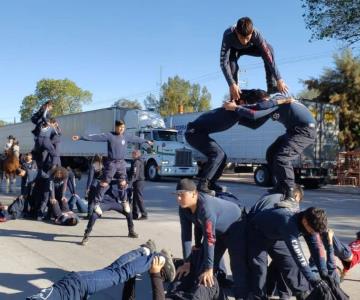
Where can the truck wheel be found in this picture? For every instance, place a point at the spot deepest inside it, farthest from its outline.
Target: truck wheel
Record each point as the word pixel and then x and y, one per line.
pixel 152 172
pixel 262 176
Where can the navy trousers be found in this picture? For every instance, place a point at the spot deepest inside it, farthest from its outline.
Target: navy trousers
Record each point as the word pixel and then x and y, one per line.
pixel 138 199
pixel 216 156
pixel 106 206
pixel 286 149
pixel 80 285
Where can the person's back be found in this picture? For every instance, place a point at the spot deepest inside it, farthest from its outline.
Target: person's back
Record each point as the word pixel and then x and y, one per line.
pixel 293 114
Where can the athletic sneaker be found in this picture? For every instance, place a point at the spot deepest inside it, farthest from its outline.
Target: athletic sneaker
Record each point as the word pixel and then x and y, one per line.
pixel 133 234
pixel 203 186
pixel 168 271
pixel 126 206
pixel 150 244
pixel 97 210
pixel 85 240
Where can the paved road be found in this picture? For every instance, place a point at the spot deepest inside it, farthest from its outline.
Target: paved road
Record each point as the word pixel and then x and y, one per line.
pixel 34 254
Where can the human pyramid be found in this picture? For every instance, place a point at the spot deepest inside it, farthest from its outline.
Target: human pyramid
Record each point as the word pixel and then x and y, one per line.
pixel 221 221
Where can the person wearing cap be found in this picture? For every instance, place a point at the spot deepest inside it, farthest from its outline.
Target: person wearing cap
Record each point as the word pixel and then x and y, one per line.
pixel 222 227
pixel 9 143
pixel 117 142
pixel 253 114
pixel 300 133
pixel 243 39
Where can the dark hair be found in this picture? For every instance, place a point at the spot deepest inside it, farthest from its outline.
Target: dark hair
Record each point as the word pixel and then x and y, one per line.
pixel 119 123
pixel 52 120
pixel 316 218
pixel 97 158
pixel 18 171
pixel 252 96
pixel 59 173
pixel 49 102
pixel 299 190
pixel 358 235
pixel 244 26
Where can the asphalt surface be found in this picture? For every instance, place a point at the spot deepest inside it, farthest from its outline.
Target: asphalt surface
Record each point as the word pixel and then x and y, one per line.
pixel 34 254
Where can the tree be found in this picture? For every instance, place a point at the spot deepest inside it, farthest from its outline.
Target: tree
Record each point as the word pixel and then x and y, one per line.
pixel 2 123
pixel 341 86
pixel 337 19
pixel 308 94
pixel 151 103
pixel 127 103
pixel 179 94
pixel 65 94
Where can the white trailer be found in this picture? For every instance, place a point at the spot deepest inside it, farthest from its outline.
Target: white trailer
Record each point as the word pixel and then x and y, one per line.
pixel 247 147
pixel 167 157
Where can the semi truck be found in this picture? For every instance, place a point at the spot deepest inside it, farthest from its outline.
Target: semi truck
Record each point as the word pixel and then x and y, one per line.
pixel 166 157
pixel 246 148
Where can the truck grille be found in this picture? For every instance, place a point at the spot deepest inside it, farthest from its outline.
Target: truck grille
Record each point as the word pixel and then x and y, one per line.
pixel 183 158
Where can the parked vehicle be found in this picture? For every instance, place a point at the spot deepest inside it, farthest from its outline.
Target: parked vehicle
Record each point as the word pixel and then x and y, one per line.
pixel 246 147
pixel 167 157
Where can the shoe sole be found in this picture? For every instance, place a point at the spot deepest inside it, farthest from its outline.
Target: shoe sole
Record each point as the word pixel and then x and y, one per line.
pixel 169 264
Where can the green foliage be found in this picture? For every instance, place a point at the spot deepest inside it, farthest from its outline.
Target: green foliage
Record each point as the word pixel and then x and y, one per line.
pixel 341 85
pixel 308 94
pixel 66 95
pixel 128 103
pixel 151 103
pixel 179 92
pixel 2 123
pixel 337 19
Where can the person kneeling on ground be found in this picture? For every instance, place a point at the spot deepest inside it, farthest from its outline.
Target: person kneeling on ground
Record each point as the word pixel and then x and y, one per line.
pixel 80 285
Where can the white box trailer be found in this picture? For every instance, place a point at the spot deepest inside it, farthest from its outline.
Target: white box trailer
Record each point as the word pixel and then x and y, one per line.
pixel 247 147
pixel 168 156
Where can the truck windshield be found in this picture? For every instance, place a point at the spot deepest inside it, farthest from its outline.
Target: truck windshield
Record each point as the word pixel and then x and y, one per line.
pixel 163 135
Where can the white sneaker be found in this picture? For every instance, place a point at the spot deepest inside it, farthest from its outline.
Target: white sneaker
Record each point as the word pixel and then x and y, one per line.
pixel 97 210
pixel 126 206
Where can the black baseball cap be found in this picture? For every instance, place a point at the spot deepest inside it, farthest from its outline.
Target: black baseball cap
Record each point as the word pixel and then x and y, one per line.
pixel 186 184
pixel 11 137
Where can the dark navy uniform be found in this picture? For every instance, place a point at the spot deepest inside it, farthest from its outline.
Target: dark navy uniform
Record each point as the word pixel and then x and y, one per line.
pixel 41 119
pixel 266 228
pixel 96 172
pixel 112 201
pixel 137 181
pixel 58 189
pixel 222 227
pixel 300 134
pixel 232 49
pixel 115 163
pixel 44 147
pixel 217 120
pixel 283 271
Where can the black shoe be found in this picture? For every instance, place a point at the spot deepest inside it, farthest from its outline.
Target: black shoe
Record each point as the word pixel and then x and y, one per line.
pixel 150 244
pixel 168 271
pixel 203 186
pixel 143 217
pixel 217 188
pixel 133 234
pixel 289 201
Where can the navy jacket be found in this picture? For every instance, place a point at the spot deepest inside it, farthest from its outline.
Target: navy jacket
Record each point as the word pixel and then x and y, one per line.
pixel 95 173
pixel 257 43
pixel 284 225
pixel 137 171
pixel 213 216
pixel 116 143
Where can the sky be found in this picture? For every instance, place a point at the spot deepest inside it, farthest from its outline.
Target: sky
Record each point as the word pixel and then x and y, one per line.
pixel 126 49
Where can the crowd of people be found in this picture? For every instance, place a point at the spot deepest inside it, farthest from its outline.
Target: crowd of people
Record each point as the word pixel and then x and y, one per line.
pixel 211 219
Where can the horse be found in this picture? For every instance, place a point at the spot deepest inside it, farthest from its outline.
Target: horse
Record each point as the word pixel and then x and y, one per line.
pixel 9 166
